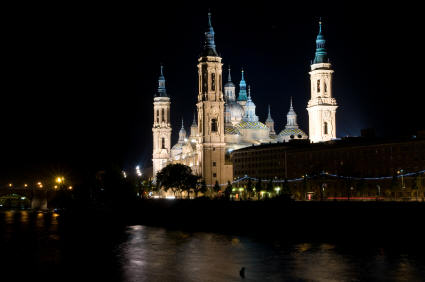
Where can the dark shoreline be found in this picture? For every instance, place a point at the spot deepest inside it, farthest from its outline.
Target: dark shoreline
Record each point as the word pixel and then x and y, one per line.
pixel 321 221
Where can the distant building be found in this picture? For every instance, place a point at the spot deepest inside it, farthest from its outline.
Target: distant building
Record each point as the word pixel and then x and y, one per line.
pixel 358 157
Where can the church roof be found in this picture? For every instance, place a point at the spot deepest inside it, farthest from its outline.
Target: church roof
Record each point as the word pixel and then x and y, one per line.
pixel 251 125
pixel 292 131
pixel 231 130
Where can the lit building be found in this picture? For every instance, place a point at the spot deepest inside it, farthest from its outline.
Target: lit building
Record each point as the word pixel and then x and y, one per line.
pixel 224 122
pixel 321 107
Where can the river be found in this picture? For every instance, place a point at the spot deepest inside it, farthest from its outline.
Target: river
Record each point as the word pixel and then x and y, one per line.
pixel 38 246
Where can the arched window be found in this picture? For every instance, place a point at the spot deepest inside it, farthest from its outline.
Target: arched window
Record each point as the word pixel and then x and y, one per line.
pixel 326 88
pixel 213 81
pixel 325 127
pixel 204 79
pixel 163 143
pixel 318 85
pixel 163 115
pixel 213 125
pixel 157 115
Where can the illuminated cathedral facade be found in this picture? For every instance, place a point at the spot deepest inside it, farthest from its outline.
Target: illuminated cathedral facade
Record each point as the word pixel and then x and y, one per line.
pixel 224 121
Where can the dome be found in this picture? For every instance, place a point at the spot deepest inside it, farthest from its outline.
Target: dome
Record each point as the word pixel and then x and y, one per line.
pixel 231 130
pixel 251 125
pixel 229 84
pixel 292 133
pixel 235 109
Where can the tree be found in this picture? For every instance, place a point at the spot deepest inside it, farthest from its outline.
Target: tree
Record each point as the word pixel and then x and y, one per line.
pixel 286 190
pixel 258 188
pixel 395 185
pixel 191 183
pixel 249 188
pixel 270 186
pixel 216 187
pixel 228 190
pixel 177 177
pixel 417 185
pixel 204 187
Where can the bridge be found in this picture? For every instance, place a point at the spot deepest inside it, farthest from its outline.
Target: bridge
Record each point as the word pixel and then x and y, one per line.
pixel 25 197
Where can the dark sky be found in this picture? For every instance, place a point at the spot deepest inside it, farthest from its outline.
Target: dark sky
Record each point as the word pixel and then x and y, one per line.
pixel 79 79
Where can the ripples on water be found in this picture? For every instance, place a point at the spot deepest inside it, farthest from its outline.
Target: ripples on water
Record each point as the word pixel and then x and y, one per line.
pixel 36 241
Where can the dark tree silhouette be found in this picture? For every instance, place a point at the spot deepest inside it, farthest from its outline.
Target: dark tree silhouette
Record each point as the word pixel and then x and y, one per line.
pixel 228 190
pixel 216 187
pixel 176 177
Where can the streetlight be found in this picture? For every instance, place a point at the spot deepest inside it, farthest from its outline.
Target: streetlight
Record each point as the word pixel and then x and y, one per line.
pixel 60 180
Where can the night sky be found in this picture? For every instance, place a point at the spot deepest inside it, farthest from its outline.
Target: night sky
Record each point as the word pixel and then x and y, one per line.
pixel 78 81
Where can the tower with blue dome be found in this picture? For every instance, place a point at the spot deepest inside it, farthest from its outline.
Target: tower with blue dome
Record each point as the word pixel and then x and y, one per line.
pixel 322 106
pixel 242 98
pixel 161 129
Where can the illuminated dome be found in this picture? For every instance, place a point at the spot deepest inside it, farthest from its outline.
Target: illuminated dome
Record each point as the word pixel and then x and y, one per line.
pixel 292 130
pixel 231 130
pixel 251 125
pixel 236 111
pixel 292 133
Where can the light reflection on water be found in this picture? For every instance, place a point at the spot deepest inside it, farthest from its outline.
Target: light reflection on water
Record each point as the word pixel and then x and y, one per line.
pixel 142 253
pixel 155 254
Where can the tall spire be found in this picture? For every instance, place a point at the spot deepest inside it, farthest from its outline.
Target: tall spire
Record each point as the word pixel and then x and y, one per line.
pixel 269 116
pixel 182 133
pixel 291 117
pixel 242 89
pixel 209 45
pixel 162 92
pixel 194 119
pixel 229 78
pixel 321 55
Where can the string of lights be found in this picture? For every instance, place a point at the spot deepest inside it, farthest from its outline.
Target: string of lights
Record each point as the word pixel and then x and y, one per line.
pixel 246 177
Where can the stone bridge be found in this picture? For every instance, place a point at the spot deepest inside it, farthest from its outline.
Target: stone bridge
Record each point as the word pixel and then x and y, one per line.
pixel 38 197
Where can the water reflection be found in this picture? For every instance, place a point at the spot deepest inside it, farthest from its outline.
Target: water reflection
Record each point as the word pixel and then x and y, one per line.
pixel 47 246
pixel 156 254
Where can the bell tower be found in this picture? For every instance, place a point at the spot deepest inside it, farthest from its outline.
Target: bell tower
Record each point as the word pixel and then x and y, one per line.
pixel 322 106
pixel 211 112
pixel 161 127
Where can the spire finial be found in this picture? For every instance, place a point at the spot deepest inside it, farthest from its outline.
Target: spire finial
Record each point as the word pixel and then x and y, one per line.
pixel 194 118
pixel 249 91
pixel 242 75
pixel 291 104
pixel 209 46
pixel 269 115
pixel 320 25
pixel 321 55
pixel 229 78
pixel 162 92
pixel 182 123
pixel 209 18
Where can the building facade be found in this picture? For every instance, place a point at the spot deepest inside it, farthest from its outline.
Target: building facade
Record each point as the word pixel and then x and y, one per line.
pixel 322 106
pixel 370 163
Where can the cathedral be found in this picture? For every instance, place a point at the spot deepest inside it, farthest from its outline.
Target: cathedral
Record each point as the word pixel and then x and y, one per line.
pixel 225 121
